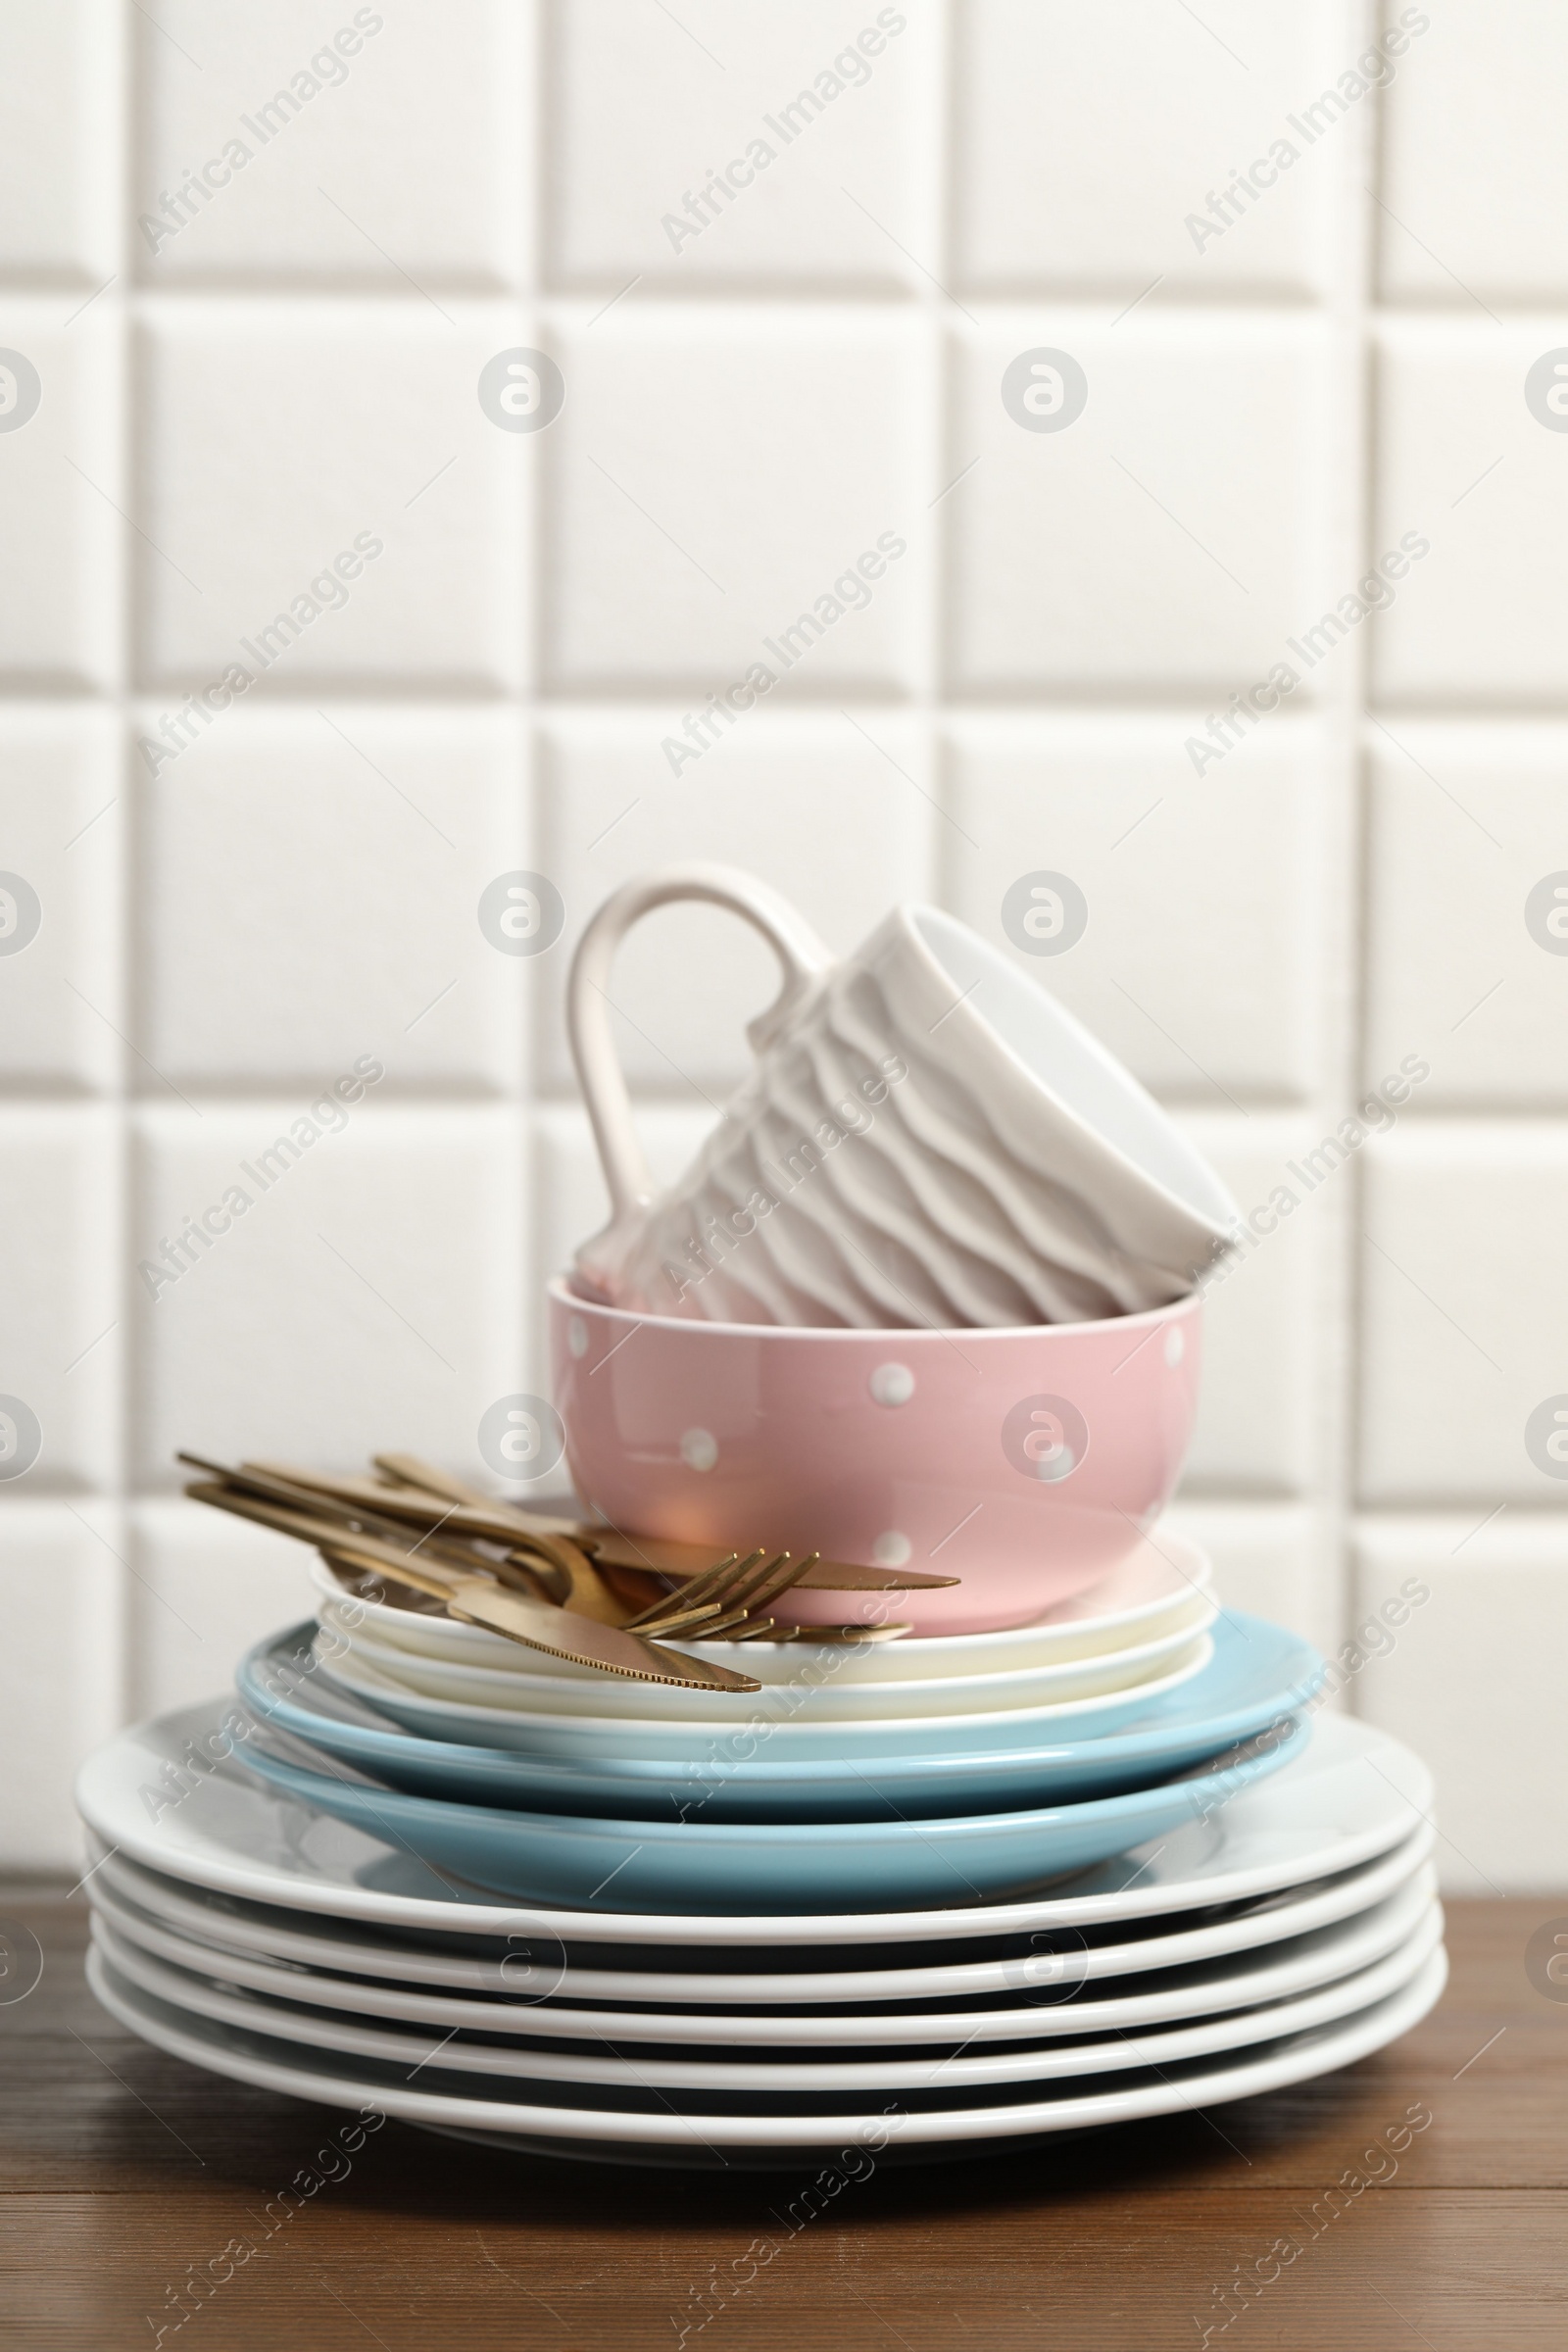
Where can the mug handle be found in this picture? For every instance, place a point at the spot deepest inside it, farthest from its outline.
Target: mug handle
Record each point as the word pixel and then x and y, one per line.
pixel 803 960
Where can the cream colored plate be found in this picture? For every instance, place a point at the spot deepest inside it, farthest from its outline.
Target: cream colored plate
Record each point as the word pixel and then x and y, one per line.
pixel 1160 1588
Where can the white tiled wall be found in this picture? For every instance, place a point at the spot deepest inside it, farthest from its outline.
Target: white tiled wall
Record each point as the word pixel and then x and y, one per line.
pixel 231 401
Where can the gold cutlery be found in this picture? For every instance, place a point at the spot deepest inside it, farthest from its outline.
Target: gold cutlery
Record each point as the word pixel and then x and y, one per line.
pixel 741 1587
pixel 571 1581
pixel 552 1553
pixel 661 1555
pixel 468 1595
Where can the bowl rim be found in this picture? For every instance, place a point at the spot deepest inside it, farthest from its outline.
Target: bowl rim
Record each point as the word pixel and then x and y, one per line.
pixel 563 1296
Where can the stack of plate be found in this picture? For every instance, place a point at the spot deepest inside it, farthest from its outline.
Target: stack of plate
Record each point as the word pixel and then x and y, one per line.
pixel 950 1892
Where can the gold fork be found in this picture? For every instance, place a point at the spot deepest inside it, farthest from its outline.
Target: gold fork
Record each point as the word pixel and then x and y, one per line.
pixel 722 1601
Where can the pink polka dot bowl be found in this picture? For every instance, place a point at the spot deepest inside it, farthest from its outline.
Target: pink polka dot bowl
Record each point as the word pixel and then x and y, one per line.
pixel 1024 1462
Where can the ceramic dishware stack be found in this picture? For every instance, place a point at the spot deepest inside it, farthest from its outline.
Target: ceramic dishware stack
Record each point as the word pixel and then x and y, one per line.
pixel 253 1928
pixel 905 1865
pixel 877 1907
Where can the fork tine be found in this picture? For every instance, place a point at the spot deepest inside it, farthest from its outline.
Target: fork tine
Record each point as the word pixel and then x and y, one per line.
pixel 750 1595
pixel 679 1621
pixel 719 1581
pixel 850 1635
pixel 784 1573
pixel 713 1585
pixel 741 1620
pixel 743 1590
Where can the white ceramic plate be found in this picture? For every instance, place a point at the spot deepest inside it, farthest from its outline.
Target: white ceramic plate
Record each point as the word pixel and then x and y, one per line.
pixel 538 1968
pixel 821 1693
pixel 633 2137
pixel 772 1717
pixel 831 2077
pixel 1161 1587
pixel 1352 1794
pixel 1056 2007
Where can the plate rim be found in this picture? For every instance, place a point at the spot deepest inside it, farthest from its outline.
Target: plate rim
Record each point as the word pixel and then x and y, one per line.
pixel 1066 1712
pixel 1195 1590
pixel 257 1882
pixel 1159 1650
pixel 1331 2048
pixel 789 1836
pixel 1410 1900
pixel 717 2073
pixel 783 1773
pixel 1339 1897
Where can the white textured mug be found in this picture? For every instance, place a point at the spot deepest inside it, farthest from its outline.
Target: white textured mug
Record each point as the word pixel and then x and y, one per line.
pixel 928 1139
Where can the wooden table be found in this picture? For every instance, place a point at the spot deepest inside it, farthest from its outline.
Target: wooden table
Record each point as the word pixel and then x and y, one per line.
pixel 120 2168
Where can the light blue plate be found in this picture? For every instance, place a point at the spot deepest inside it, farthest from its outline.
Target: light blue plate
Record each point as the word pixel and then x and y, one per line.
pixel 1257 1674
pixel 662 1867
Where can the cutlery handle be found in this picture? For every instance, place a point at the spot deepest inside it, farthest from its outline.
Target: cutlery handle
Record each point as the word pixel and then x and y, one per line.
pixel 803 960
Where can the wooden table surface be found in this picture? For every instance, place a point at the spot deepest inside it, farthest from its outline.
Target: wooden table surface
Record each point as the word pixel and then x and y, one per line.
pixel 122 2169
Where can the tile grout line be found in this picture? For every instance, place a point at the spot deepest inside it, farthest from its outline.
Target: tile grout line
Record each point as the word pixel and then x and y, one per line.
pixel 532 708
pixel 1360 163
pixel 116 1695
pixel 929 707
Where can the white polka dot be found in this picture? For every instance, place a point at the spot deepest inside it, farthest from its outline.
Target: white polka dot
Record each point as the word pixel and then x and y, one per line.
pixel 891 1550
pixel 892 1384
pixel 577 1335
pixel 698 1448
pixel 1175 1346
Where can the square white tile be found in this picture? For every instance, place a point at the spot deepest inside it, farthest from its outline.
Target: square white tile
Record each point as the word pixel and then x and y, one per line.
pixel 1466 466
pixel 368 1296
pixel 1150 145
pixel 731 497
pixel 60 489
pixel 1194 948
pixel 59 137
pixel 61 1278
pixel 1166 538
pixel 265 151
pixel 206 1587
pixel 61 821
pixel 695 150
pixel 1465 1248
pixel 1474 174
pixel 1270 1560
pixel 370 535
pixel 1468 906
pixel 1470 1699
pixel 770 797
pixel 61 1588
pixel 1257 1419
pixel 309 884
